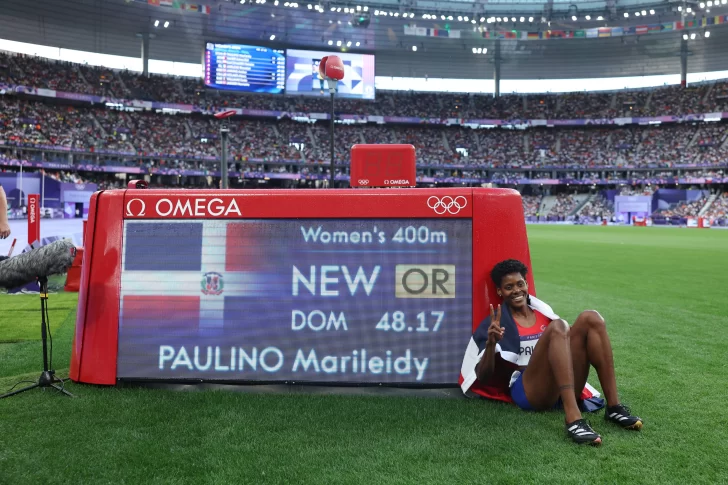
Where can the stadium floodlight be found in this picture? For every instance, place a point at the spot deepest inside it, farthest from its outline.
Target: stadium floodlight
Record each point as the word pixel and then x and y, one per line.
pixel 366 9
pixel 473 21
pixel 482 19
pixel 309 6
pixel 573 17
pixel 485 50
pixel 475 51
pixel 465 18
pixel 710 3
pixel 530 19
pixel 688 10
pixel 600 18
pixel 626 14
pixel 338 43
pixel 449 17
pixel 460 18
pixel 346 9
pixel 723 2
pixel 652 11
pixel 358 8
pixel 338 9
pixel 331 42
pixel 636 14
pixel 166 24
pixel 156 23
pixel 498 19
pixel 707 34
pixel 348 44
pixel 644 12
pixel 679 8
pixel 273 37
pixel 522 19
pixel 333 9
pixel 692 36
pixel 442 17
pixel 396 14
pixel 513 19
pixel 588 17
pixel 685 36
pixel 414 48
pixel 358 44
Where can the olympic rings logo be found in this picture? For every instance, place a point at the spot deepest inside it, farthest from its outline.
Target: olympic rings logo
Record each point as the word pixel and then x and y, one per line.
pixel 363 181
pixel 447 204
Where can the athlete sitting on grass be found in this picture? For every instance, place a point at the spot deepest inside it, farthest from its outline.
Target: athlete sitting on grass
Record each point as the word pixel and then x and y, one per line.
pixel 524 346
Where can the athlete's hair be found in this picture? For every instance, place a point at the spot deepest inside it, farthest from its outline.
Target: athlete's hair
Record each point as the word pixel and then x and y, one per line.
pixel 507 267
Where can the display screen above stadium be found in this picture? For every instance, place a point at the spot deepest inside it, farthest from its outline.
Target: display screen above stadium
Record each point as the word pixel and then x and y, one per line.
pixel 302 74
pixel 317 300
pixel 247 68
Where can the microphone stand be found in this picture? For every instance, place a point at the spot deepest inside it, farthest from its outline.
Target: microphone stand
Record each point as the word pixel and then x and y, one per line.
pixel 332 89
pixel 47 377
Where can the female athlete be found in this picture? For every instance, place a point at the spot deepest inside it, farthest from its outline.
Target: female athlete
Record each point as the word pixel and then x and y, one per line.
pixel 525 352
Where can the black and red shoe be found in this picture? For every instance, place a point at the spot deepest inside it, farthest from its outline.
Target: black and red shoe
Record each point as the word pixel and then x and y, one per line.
pixel 581 433
pixel 622 417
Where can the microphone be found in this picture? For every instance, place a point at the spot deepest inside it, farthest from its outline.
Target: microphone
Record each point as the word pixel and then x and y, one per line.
pixel 54 258
pixel 331 68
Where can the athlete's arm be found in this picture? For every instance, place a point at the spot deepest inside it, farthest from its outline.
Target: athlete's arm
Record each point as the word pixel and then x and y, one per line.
pixel 4 226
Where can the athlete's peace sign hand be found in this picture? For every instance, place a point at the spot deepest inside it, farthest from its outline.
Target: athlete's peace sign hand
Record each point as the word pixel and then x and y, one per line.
pixel 495 331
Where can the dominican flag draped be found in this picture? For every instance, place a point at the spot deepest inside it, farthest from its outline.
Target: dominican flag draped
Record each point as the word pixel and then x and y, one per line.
pixel 508 349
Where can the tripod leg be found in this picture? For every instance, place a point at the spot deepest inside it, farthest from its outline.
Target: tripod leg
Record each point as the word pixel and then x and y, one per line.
pixel 13 393
pixel 62 390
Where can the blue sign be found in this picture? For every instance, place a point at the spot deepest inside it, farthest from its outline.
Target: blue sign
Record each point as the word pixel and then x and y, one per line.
pixel 247 68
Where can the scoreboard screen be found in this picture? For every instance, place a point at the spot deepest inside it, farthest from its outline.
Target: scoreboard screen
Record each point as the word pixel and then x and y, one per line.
pixel 302 74
pixel 246 68
pixel 314 300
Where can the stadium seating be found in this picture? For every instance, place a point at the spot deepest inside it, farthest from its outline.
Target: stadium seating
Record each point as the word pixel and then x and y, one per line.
pixel 42 129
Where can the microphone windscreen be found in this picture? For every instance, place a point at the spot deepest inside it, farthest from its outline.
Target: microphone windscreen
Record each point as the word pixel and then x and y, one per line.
pixel 53 258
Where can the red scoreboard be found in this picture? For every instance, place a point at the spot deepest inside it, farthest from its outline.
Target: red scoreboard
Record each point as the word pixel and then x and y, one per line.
pixel 320 286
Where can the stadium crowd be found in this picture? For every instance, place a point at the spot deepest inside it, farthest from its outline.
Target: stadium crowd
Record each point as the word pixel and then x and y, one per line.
pixel 719 208
pixel 23 70
pixel 31 123
pixel 683 209
pixel 184 141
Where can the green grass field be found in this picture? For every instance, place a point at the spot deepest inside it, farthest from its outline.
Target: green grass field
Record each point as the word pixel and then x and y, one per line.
pixel 663 293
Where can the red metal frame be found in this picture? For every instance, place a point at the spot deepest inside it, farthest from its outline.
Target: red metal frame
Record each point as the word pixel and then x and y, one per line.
pixel 499 232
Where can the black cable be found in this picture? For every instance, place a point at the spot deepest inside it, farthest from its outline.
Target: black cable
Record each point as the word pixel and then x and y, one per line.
pixel 17 384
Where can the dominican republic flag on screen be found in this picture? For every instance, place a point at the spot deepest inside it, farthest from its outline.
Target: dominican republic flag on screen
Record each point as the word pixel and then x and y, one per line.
pixel 180 274
pixel 508 349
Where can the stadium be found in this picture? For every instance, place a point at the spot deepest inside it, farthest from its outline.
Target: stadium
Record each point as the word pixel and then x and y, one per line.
pixel 231 293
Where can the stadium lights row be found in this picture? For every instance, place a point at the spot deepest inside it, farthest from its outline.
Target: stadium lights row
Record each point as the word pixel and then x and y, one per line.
pixel 642 13
pixel 694 36
pixel 166 23
pixel 394 14
pixel 480 50
pixel 710 4
pixel 473 20
pixel 339 43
